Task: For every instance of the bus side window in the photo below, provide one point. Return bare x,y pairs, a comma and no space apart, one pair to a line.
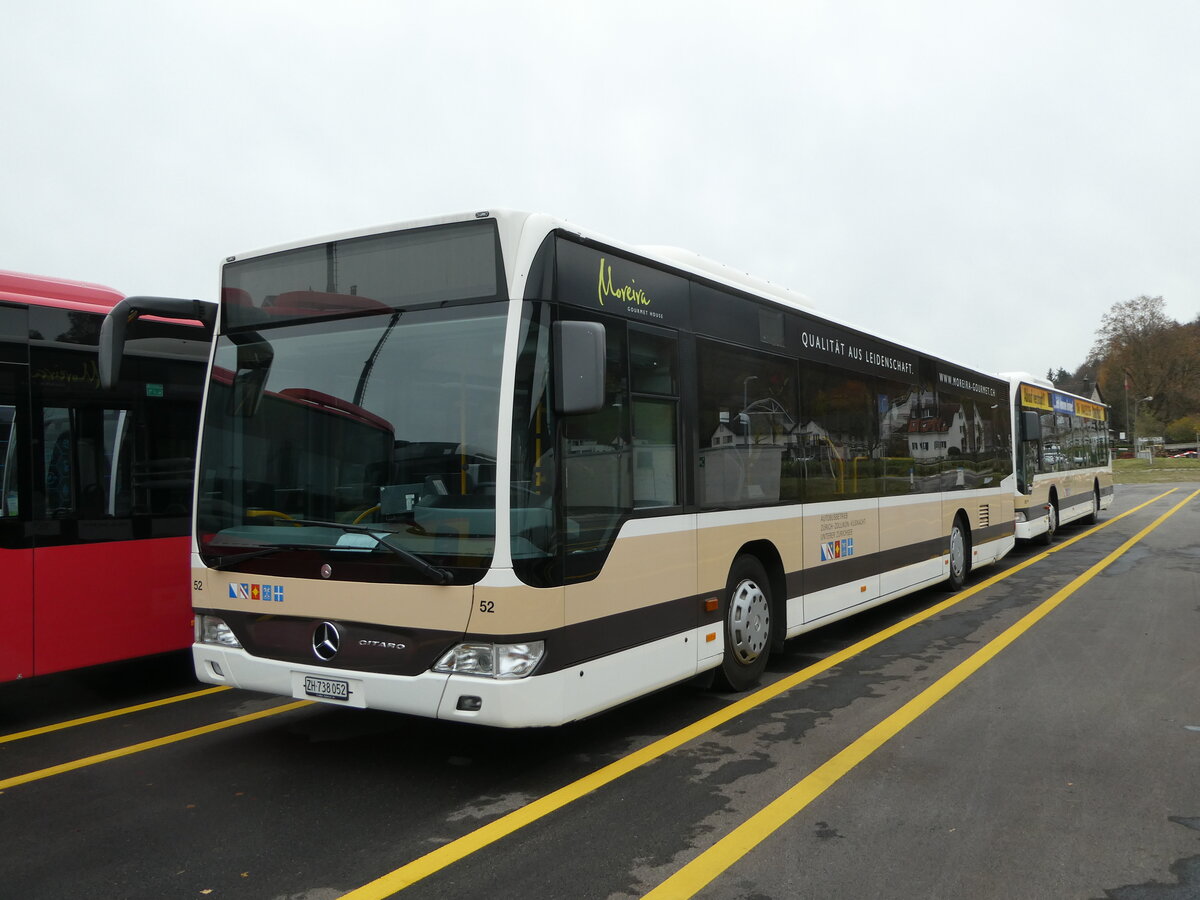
653,381
8,461
596,453
56,433
655,453
838,440
749,432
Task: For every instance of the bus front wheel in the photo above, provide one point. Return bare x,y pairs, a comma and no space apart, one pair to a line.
960,555
748,625
1051,522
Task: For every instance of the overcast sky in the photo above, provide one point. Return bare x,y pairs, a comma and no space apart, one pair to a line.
981,179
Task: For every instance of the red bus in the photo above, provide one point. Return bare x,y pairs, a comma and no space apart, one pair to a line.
95,485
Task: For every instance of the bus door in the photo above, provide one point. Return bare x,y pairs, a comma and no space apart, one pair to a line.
629,564
103,555
16,551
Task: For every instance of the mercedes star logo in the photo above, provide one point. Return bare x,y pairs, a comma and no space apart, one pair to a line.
325,641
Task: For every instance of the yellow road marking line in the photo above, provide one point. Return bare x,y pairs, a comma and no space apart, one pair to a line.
86,761
99,717
698,873
452,852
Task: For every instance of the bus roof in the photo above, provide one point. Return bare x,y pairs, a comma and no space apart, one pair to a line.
38,290
518,227
1018,377
513,222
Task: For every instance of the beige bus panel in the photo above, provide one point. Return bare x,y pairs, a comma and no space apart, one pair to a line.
906,523
1068,484
641,570
722,535
441,608
516,609
981,511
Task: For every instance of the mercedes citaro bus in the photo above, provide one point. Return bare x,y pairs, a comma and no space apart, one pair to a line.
494,468
1063,458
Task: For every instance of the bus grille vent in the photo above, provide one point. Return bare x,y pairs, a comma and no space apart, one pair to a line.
985,515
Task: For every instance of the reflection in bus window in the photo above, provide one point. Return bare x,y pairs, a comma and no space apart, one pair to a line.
749,436
839,439
403,441
597,492
8,461
654,452
56,447
653,366
534,467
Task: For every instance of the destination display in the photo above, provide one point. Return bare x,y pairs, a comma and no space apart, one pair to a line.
1063,404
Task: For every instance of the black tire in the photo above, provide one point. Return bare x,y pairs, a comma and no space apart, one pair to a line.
960,555
749,625
1047,536
1094,516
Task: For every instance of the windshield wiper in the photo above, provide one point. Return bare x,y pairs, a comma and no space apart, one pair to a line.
436,574
224,562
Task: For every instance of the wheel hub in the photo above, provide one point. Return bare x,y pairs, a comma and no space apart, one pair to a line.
749,622
958,552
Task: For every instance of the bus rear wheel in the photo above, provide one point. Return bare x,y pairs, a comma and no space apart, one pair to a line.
748,625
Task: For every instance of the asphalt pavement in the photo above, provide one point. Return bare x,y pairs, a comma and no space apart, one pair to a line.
1035,736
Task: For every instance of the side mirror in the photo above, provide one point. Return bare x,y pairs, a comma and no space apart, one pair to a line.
578,367
120,325
1031,425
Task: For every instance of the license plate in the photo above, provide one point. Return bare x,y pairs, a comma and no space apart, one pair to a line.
326,688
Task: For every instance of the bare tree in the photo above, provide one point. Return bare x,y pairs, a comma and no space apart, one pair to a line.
1140,351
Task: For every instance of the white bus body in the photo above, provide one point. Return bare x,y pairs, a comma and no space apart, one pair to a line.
1062,457
492,468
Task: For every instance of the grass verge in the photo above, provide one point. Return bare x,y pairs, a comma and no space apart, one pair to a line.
1158,471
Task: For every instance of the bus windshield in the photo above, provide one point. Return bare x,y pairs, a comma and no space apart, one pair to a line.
366,443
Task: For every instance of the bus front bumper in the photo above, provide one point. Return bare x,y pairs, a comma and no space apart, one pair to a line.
526,702
1027,529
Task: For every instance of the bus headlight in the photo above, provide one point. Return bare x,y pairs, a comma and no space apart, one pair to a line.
212,630
492,660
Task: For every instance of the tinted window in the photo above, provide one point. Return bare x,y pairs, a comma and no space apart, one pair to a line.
115,463
903,407
13,448
978,436
111,465
750,442
534,546
445,263
1071,442
597,476
386,421
839,446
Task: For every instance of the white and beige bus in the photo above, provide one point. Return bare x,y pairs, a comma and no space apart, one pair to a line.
492,468
1063,459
